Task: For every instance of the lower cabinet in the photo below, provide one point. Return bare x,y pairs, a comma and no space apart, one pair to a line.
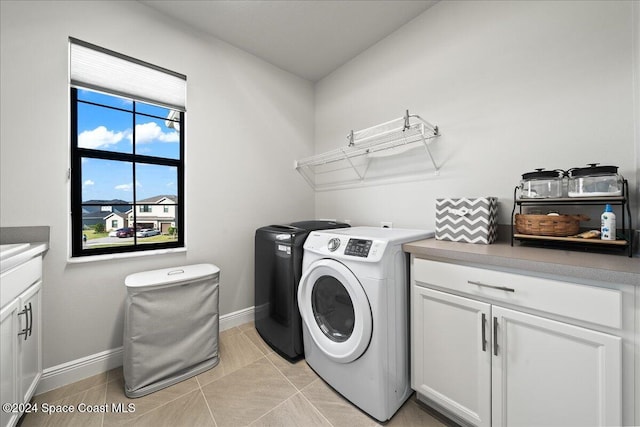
9,360
30,342
548,372
488,365
21,347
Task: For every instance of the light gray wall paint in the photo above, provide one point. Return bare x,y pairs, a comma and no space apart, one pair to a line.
246,123
514,86
636,111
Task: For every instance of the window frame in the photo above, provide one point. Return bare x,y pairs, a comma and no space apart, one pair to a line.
75,175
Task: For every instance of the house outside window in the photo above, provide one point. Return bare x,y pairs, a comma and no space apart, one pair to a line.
126,157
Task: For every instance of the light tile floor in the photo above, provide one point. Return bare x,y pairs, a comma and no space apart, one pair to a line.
251,386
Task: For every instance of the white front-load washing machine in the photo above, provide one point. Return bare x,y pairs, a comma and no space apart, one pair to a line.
353,303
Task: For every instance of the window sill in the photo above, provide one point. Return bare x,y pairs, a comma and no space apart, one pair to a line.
95,258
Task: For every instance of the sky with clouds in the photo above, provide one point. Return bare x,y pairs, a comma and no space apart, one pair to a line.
113,130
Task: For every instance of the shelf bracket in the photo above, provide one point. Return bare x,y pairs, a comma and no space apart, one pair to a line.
426,147
355,169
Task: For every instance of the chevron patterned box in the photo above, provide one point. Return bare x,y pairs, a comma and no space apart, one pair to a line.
467,220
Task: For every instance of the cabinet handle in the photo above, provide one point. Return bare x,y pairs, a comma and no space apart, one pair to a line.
484,333
30,320
25,331
495,336
501,288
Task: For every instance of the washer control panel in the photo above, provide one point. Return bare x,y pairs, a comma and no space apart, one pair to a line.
358,247
343,247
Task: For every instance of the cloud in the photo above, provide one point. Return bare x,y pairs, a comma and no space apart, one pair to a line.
151,132
101,137
124,187
88,183
127,187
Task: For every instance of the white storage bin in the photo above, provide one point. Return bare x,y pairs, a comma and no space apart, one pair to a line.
171,326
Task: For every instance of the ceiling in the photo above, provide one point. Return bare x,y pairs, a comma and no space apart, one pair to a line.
309,38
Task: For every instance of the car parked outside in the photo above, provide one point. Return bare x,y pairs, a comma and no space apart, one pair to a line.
125,232
147,232
114,233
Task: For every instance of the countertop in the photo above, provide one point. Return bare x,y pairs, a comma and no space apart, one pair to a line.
19,244
16,254
605,268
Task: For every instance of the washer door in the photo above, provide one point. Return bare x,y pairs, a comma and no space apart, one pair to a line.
335,309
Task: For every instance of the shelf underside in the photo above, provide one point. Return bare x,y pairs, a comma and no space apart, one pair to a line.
572,240
409,138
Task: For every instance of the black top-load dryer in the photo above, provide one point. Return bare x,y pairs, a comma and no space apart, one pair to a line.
278,267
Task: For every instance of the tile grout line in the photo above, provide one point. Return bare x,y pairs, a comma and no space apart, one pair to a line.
311,403
106,389
274,408
206,402
299,391
253,344
164,404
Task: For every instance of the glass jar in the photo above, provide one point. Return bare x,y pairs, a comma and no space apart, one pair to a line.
595,181
542,184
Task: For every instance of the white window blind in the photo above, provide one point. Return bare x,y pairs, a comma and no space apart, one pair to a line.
93,67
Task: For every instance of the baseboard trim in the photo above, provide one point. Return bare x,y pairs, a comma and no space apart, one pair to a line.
237,318
85,367
79,369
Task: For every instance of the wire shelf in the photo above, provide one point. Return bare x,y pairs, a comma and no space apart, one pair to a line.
385,139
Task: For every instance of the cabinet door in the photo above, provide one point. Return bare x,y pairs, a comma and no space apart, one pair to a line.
451,353
9,360
30,349
546,372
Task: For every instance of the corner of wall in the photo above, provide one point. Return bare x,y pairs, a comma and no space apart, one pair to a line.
636,99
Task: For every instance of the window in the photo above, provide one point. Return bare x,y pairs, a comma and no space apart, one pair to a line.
127,154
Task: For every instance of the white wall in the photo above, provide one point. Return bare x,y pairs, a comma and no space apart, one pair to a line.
246,123
513,86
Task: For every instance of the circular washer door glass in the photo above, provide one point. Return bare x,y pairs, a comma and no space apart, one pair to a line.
332,308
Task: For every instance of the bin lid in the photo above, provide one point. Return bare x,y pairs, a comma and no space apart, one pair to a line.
170,276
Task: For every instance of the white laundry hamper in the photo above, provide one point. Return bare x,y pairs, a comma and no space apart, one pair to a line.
171,326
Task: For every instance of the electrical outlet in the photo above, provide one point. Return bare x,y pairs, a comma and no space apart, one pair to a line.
386,224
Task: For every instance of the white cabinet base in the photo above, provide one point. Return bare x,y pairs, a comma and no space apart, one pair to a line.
484,356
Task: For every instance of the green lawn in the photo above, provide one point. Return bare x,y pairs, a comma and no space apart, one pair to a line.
93,235
156,239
